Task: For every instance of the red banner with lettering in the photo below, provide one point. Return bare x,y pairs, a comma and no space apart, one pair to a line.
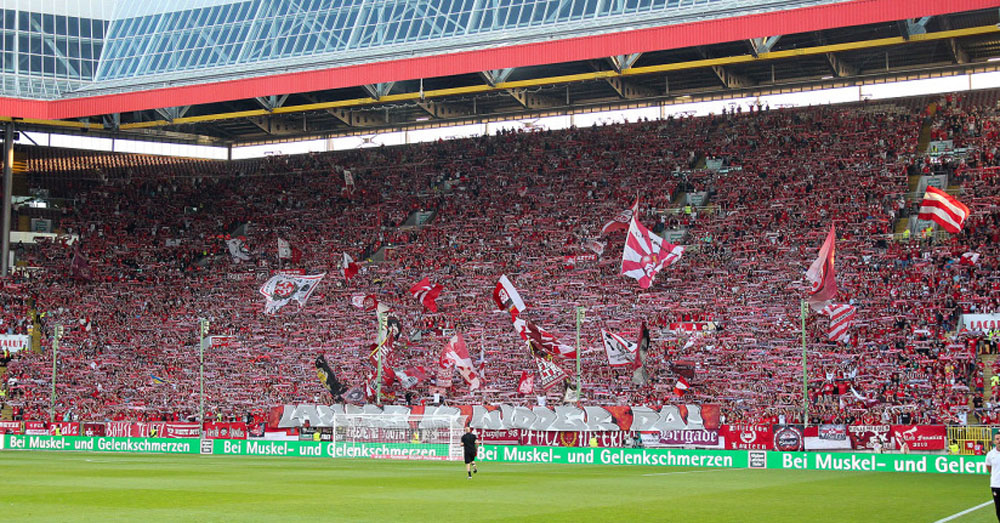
35,428
11,427
748,437
499,436
226,430
864,437
563,438
921,437
65,428
93,429
179,430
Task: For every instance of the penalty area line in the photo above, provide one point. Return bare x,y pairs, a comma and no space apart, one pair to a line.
964,512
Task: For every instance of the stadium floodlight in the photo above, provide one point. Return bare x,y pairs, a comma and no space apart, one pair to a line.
398,436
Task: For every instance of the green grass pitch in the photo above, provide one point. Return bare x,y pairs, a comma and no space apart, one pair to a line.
40,486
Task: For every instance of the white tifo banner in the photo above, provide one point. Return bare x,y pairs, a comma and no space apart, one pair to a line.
981,322
14,342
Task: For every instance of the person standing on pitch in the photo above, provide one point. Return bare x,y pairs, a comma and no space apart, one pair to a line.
469,444
993,466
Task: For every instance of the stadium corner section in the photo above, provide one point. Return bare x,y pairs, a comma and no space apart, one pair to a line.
752,459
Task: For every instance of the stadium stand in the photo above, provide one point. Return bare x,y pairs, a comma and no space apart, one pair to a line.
153,231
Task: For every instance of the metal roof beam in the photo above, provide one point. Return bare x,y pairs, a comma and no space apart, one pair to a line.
270,103
959,55
629,90
496,76
729,79
444,110
357,118
566,79
913,26
840,67
531,100
112,121
624,62
759,46
379,90
172,113
273,126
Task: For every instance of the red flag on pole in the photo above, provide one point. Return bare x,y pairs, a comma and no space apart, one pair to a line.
425,292
822,276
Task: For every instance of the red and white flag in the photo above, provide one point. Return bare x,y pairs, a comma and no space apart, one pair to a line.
841,319
943,209
822,276
681,387
506,296
549,374
411,377
456,355
594,246
349,267
425,292
287,251
622,220
621,352
541,340
526,385
359,301
969,258
646,253
282,288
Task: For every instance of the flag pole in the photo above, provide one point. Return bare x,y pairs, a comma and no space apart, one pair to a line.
378,357
580,311
55,351
202,331
804,310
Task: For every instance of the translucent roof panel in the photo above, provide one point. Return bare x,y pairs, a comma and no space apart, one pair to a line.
171,40
47,50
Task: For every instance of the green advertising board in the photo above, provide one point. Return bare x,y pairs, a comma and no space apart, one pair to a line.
753,459
326,449
102,444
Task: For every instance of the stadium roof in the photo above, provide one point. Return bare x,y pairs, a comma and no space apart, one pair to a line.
226,72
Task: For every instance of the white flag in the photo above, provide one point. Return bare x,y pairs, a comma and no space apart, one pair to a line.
238,250
620,351
282,288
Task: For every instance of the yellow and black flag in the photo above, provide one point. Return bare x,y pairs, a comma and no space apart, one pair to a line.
328,378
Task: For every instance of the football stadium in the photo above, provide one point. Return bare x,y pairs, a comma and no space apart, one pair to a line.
485,260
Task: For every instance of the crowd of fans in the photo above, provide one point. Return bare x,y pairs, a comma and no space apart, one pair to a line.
519,203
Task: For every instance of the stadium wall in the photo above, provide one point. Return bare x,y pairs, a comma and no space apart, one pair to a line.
752,459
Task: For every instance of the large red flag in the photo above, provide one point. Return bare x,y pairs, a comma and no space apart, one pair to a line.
821,274
506,297
621,221
349,267
456,355
526,385
426,292
541,340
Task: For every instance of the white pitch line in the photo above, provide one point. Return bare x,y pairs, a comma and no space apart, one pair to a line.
685,472
964,512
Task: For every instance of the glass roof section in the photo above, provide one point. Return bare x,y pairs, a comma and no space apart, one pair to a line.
141,44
